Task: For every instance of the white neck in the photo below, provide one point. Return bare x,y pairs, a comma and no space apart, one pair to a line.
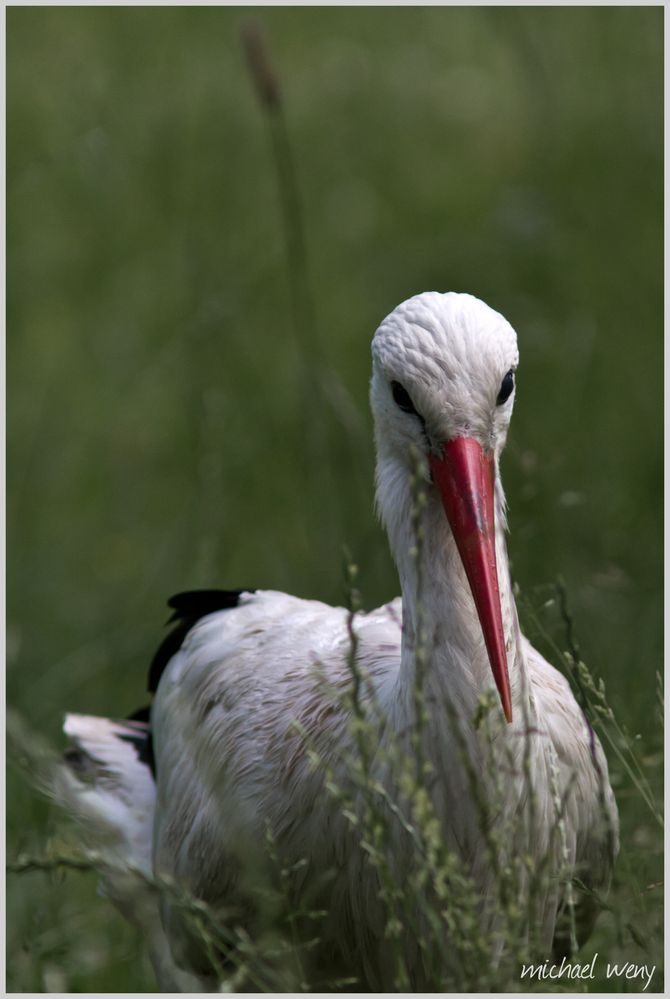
441,616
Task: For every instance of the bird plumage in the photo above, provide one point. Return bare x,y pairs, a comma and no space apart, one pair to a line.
252,688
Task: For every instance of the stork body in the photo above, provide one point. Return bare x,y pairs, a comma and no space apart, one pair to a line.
258,690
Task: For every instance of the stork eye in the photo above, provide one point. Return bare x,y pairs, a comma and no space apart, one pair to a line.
401,397
506,388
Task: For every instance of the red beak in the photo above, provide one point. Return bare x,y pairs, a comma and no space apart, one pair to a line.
464,476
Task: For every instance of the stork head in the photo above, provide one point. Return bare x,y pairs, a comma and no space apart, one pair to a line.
443,387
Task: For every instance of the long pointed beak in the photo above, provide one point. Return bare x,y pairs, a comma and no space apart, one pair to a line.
464,476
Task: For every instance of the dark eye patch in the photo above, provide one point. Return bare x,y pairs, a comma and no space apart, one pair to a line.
402,398
506,388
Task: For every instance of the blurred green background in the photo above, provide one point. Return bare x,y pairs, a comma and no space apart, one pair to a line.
169,427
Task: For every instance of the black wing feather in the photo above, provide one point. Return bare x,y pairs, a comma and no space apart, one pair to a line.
197,603
188,608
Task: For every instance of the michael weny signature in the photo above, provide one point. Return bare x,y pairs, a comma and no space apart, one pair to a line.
568,969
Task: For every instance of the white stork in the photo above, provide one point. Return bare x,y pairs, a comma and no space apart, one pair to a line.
251,685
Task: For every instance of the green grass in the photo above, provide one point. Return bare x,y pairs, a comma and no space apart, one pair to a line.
161,434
